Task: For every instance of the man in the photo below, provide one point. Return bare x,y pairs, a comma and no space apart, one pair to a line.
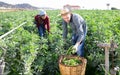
42,22
79,29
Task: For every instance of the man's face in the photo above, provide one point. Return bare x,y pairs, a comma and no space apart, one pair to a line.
43,16
66,17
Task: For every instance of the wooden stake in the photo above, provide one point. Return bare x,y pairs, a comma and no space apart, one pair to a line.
106,46
2,36
106,60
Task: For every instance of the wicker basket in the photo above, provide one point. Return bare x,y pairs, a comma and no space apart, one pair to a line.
72,70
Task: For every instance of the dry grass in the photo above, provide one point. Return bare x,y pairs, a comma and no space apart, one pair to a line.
10,10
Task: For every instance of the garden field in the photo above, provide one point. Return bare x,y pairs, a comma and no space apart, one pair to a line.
25,53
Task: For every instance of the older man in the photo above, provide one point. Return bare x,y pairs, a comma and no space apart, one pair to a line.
79,29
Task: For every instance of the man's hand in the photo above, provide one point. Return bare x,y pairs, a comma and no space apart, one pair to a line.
75,46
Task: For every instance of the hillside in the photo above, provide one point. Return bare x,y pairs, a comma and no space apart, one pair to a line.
18,6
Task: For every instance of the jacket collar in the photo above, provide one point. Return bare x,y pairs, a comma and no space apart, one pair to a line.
71,17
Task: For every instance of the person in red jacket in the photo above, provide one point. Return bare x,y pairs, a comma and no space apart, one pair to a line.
42,22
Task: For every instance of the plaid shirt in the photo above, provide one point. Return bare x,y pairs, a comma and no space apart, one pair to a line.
78,26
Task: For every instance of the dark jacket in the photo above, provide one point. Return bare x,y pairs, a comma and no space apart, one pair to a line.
39,21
